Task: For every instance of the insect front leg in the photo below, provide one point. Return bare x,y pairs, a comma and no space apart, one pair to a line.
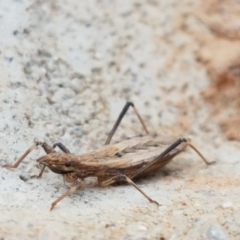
61,146
76,185
120,117
48,149
124,178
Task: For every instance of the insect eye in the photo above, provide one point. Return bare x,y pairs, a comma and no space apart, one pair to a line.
118,154
68,163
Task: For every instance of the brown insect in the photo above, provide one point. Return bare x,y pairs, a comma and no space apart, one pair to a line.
120,162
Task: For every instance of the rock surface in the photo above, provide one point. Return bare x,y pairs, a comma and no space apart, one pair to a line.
67,69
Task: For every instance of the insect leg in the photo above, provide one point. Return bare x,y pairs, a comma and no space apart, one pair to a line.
124,178
61,146
120,117
198,152
74,188
40,174
45,146
167,151
160,156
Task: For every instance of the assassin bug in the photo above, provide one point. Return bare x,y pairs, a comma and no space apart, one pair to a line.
112,163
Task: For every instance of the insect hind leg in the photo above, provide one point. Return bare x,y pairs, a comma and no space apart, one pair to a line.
124,178
188,141
167,151
120,117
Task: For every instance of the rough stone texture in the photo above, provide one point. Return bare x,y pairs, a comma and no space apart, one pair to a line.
67,68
